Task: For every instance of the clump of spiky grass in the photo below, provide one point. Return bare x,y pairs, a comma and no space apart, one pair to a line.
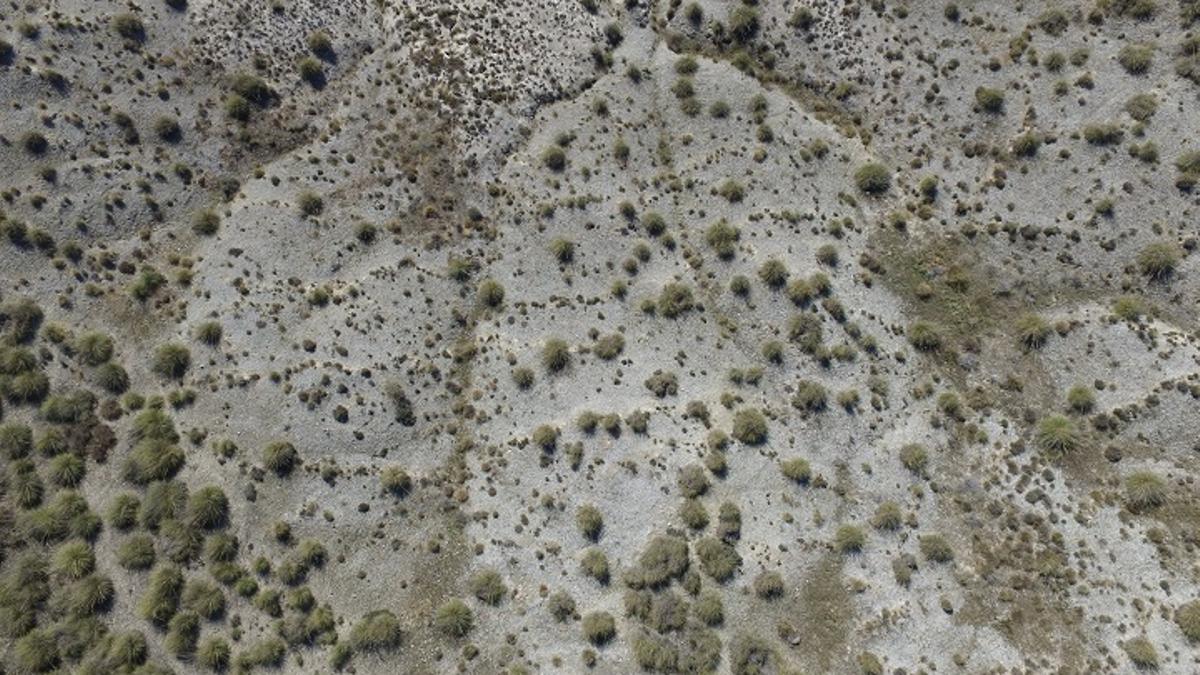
590,521
925,336
488,586
796,469
153,459
266,652
1187,617
599,627
454,618
1057,435
204,598
74,560
94,348
718,559
280,457
849,539
1141,652
1032,331
873,178
208,507
750,426
1159,260
37,652
556,355
935,548
1145,490
172,360
161,598
377,631
213,654
395,481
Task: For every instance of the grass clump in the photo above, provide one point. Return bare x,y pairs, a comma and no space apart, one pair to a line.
663,559
490,293
915,458
213,654
377,631
1187,617
674,300
1057,435
849,539
204,598
718,559
935,548
599,628
925,336
172,360
989,100
590,522
161,598
266,652
208,507
1145,490
36,652
488,587
722,238
153,459
1080,399
555,159
395,481
595,564
873,178
750,426
1032,331
768,585
796,469
454,618
136,552
1136,59
1141,652
556,355
1158,260
280,458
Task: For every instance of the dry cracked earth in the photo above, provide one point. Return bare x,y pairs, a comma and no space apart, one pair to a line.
612,336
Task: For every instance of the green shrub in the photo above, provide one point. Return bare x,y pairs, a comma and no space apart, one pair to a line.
1081,399
395,481
208,507
1187,617
123,511
750,426
732,191
935,548
717,559
160,601
873,178
722,238
152,460
36,652
849,539
377,631
925,336
490,293
556,355
796,469
810,397
94,348
183,631
1032,331
1103,134
1141,652
989,100
1057,435
204,598
750,655
67,470
210,333
599,628
136,552
595,565
129,26
674,300
213,654
693,514
590,522
554,158
454,618
1159,260
743,23
280,457
172,360
914,457
561,606
888,516
663,559
265,652
112,378
708,608
16,440
1145,490
488,586
1136,59
310,204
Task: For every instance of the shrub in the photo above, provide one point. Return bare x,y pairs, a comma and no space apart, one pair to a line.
16,440
708,608
561,605
599,627
395,481
136,552
183,630
849,539
311,71
663,559
280,457
554,158
153,459
693,514
749,426
935,548
1159,260
310,204
610,346
1057,435
123,511
112,378
67,470
266,652
989,100
204,598
94,348
914,457
590,522
722,238
768,585
674,299
743,23
810,397
1141,652
74,560
873,178
36,652
490,293
1027,144
1136,59
213,654
887,516
717,559
773,273
1187,617
796,469
545,437
1081,399
1103,134
208,507
377,631
732,191
925,336
172,360
556,355
692,481
488,587
209,333
454,618
1032,331
595,565
1145,490
129,26
161,599
750,655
